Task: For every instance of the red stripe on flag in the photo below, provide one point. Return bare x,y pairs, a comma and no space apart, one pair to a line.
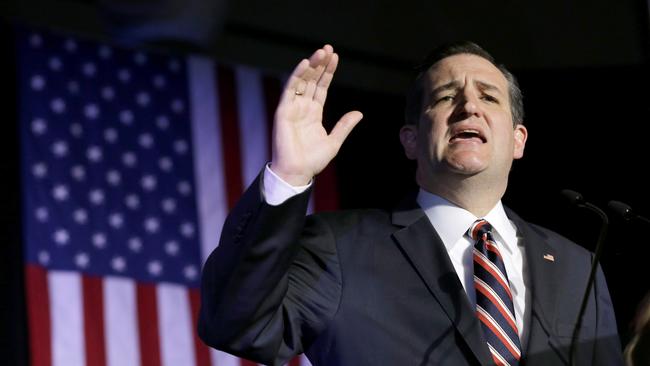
230,134
272,91
230,143
326,194
148,325
201,351
295,361
38,313
93,308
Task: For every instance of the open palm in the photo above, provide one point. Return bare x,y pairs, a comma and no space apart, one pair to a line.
302,147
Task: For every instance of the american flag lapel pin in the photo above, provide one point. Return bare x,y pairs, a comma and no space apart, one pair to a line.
549,257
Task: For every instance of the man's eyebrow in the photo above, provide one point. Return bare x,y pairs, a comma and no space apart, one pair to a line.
449,86
483,86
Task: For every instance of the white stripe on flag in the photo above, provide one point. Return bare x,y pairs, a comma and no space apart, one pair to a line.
66,310
121,322
208,157
310,206
252,122
304,361
175,325
223,359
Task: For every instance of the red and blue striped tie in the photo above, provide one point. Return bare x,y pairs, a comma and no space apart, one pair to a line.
494,306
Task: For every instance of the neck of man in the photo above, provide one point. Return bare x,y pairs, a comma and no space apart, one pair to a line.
473,193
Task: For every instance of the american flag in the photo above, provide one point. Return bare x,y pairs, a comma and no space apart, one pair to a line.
131,160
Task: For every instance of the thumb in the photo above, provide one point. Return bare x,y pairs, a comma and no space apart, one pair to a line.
344,126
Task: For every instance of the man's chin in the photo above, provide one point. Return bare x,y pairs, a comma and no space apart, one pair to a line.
468,167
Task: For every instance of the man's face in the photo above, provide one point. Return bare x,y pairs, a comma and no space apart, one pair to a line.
465,125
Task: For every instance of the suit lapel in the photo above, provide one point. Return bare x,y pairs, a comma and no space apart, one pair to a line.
544,272
422,246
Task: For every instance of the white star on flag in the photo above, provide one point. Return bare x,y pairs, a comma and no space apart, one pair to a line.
125,187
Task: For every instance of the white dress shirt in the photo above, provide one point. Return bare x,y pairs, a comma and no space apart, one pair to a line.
275,190
451,223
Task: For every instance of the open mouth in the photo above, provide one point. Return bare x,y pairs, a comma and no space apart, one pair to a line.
467,135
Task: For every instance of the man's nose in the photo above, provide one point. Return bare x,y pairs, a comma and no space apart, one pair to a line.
468,106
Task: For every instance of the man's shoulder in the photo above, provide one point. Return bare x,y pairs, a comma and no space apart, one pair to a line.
536,232
557,240
355,223
353,216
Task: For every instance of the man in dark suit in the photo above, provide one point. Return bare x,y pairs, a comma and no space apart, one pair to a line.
449,277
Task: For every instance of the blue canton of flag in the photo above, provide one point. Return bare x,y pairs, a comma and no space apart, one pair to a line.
107,161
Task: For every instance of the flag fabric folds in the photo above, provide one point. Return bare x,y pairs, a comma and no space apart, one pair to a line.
130,162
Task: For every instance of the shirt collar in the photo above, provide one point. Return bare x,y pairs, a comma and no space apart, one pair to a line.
451,222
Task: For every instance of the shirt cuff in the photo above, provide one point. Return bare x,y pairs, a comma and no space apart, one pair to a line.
276,190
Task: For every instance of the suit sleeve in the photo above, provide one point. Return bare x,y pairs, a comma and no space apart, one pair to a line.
272,284
607,350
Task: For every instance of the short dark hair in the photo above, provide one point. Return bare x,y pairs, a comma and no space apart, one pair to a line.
415,94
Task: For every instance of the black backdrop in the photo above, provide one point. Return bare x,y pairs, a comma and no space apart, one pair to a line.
589,130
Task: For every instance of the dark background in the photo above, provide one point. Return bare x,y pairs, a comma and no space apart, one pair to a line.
582,65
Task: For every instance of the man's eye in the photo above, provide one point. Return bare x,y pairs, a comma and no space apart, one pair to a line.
445,98
489,98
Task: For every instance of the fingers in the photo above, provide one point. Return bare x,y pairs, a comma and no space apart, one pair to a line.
344,126
326,79
292,83
305,77
318,63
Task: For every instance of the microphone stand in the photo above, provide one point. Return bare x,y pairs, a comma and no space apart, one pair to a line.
578,200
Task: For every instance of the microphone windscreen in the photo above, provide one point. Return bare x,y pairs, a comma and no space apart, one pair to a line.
621,208
573,196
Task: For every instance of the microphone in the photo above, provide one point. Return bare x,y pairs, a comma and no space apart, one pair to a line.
625,211
573,196
578,200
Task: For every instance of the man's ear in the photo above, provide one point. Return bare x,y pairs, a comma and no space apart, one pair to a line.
408,136
521,135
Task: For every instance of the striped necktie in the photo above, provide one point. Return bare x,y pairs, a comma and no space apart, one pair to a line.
494,305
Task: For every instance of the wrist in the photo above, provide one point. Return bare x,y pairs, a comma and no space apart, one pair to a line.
292,178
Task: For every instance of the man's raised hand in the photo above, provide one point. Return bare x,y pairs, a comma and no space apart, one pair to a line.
302,147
